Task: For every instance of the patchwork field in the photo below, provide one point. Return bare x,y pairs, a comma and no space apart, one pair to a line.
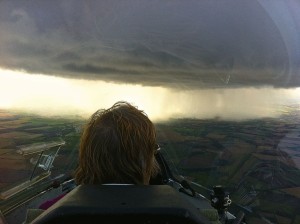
257,160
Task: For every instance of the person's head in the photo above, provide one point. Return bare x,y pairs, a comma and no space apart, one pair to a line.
118,145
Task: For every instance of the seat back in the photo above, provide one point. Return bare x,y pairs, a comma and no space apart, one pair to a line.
122,203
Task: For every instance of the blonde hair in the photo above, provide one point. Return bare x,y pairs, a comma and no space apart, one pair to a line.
117,146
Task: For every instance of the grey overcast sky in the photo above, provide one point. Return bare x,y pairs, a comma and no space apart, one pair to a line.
200,59
169,43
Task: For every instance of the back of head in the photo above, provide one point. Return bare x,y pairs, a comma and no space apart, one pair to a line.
117,146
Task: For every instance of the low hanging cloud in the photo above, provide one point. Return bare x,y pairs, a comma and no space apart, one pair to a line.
199,44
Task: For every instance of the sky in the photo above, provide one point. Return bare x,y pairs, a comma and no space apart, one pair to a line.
231,59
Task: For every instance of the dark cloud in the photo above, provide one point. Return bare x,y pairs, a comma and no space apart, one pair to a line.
158,43
95,69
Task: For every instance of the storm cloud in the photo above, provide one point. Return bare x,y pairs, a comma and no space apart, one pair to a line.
186,44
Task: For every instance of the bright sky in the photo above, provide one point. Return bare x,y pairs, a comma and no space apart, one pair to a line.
50,95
